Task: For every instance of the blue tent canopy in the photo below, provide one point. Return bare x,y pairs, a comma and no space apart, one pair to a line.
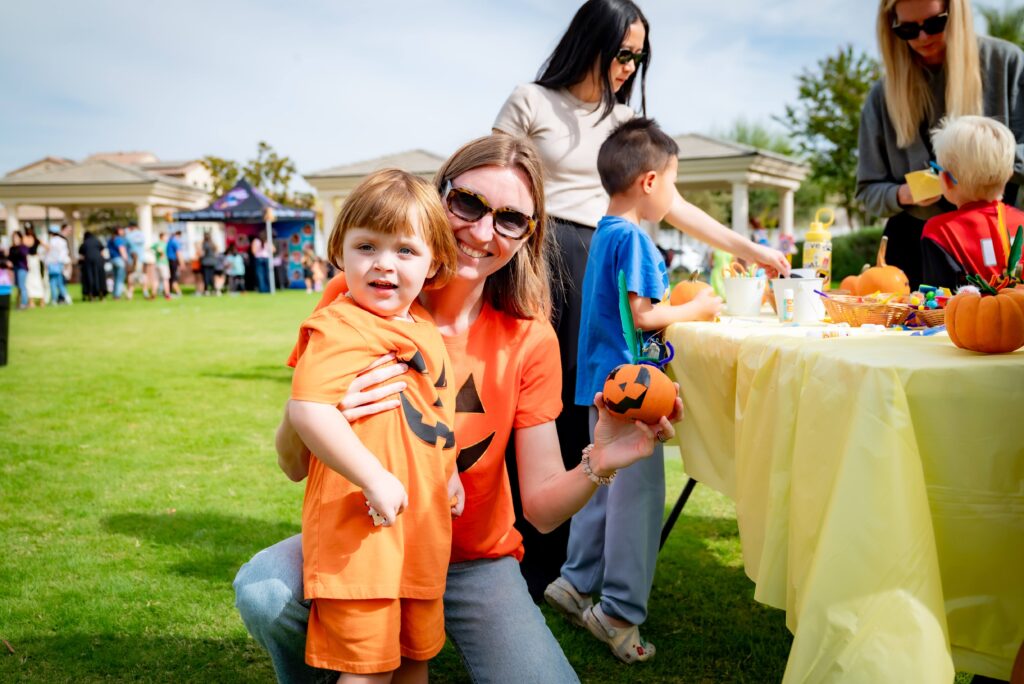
244,204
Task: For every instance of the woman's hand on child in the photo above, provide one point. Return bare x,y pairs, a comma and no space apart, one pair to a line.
386,495
456,494
366,396
619,442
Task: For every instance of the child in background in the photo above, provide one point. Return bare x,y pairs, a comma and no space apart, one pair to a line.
976,155
613,540
236,270
377,590
162,263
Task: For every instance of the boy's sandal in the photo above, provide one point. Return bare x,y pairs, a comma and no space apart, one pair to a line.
625,642
564,598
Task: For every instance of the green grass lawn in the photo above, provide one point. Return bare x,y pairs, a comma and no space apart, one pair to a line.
137,473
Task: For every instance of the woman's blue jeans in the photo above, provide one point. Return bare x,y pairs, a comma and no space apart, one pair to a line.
489,617
117,263
21,277
58,290
263,274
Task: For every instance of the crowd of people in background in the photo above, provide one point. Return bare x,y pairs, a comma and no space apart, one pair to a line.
118,264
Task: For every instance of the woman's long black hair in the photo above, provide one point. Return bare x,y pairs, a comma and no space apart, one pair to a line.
595,34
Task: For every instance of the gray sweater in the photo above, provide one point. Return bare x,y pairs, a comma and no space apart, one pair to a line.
883,163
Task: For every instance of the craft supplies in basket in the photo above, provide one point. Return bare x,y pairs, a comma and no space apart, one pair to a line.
929,317
857,311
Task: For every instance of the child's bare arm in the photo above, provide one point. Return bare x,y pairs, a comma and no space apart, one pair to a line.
326,432
648,316
292,454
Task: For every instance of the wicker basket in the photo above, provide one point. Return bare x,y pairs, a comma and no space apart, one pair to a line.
930,317
847,309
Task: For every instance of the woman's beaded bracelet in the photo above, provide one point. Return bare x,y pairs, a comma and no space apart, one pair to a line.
591,475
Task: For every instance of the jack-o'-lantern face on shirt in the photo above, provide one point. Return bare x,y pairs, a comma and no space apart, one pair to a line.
483,251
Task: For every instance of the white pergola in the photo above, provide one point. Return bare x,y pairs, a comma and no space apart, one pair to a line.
704,164
707,163
97,183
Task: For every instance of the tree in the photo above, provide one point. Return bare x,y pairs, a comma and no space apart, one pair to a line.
1007,24
225,173
268,172
271,173
826,120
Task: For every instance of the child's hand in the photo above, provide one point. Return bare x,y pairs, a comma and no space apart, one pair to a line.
386,496
706,305
456,494
774,262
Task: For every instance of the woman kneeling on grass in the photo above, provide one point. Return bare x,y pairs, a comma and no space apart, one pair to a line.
493,316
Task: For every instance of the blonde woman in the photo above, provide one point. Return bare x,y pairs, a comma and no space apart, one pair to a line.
935,66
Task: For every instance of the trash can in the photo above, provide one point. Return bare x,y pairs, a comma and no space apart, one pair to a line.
5,320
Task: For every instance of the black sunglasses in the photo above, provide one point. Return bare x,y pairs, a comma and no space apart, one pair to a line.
625,55
469,206
909,30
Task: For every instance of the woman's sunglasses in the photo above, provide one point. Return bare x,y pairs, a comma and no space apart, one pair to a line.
625,56
469,206
909,30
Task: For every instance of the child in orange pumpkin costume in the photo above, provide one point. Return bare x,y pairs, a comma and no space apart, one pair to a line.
376,588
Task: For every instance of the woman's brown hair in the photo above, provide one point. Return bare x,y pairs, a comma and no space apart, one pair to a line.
520,288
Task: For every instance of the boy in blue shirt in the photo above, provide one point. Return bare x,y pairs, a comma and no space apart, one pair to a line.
613,540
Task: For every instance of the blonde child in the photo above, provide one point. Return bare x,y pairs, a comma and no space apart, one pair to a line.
975,156
376,589
613,540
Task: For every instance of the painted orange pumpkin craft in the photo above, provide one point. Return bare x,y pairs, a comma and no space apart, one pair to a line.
639,392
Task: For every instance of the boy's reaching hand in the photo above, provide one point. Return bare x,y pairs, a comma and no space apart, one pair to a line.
706,305
386,496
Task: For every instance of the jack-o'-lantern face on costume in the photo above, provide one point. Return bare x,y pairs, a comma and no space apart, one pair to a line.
639,392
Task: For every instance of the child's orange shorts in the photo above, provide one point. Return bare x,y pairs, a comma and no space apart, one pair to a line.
373,635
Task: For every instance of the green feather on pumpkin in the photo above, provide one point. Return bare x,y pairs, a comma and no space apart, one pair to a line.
1015,250
633,337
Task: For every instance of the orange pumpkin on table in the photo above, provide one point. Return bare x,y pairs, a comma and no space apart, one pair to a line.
639,392
686,290
982,322
878,278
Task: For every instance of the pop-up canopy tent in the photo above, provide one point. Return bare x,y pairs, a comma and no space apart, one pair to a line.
245,204
244,208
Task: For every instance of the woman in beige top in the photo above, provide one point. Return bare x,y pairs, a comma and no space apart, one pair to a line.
580,96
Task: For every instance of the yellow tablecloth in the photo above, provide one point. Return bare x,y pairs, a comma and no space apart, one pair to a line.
879,488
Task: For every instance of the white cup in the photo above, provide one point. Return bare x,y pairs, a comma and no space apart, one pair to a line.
803,272
743,296
807,305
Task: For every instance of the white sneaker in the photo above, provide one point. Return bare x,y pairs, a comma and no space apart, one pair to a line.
564,598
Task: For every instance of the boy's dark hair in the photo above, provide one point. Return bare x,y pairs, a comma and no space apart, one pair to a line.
634,148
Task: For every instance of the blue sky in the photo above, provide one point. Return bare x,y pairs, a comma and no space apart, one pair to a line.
333,82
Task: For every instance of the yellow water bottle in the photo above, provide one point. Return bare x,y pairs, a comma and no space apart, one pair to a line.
818,246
